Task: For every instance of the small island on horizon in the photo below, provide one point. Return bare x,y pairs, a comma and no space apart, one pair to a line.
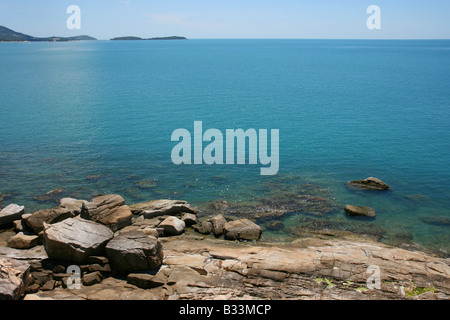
8,35
156,38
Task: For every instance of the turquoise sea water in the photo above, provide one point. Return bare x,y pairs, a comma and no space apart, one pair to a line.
97,117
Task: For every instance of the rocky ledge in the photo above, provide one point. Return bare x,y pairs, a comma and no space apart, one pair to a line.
158,250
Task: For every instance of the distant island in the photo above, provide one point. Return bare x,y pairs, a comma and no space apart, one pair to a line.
157,38
8,35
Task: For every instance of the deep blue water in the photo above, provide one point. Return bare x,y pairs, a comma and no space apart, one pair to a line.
346,109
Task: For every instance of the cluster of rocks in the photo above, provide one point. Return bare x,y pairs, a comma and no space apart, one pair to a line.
105,237
370,183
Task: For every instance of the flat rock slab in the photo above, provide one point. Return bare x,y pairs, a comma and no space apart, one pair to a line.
11,213
134,251
163,207
370,183
109,210
243,229
13,276
76,239
360,211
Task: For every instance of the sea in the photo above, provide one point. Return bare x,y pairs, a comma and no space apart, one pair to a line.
96,117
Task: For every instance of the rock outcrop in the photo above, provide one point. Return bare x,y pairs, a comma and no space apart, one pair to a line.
76,239
369,183
109,210
360,211
11,213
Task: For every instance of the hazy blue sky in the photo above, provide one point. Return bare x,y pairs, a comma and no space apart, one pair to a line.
343,19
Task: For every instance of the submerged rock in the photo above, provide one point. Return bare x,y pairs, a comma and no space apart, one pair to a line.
75,239
1,201
109,210
172,226
243,229
369,183
146,184
360,211
11,213
51,195
437,221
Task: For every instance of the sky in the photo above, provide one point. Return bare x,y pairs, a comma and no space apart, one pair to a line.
217,19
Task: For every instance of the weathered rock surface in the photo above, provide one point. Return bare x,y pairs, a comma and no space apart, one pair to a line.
23,241
145,280
173,226
109,210
11,213
218,224
157,208
13,277
360,211
134,251
68,208
243,229
369,183
310,269
92,278
75,239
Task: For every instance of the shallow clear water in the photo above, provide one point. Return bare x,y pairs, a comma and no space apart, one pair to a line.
97,117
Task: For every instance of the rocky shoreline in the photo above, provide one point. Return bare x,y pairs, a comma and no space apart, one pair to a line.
104,249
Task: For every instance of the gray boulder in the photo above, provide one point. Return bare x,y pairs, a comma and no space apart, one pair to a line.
243,229
109,210
370,183
134,251
157,208
173,226
13,278
360,211
68,208
75,239
11,213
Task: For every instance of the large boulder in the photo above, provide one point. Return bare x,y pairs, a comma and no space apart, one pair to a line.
11,213
109,210
243,229
68,208
13,278
173,226
76,239
157,208
134,251
205,227
360,211
369,183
